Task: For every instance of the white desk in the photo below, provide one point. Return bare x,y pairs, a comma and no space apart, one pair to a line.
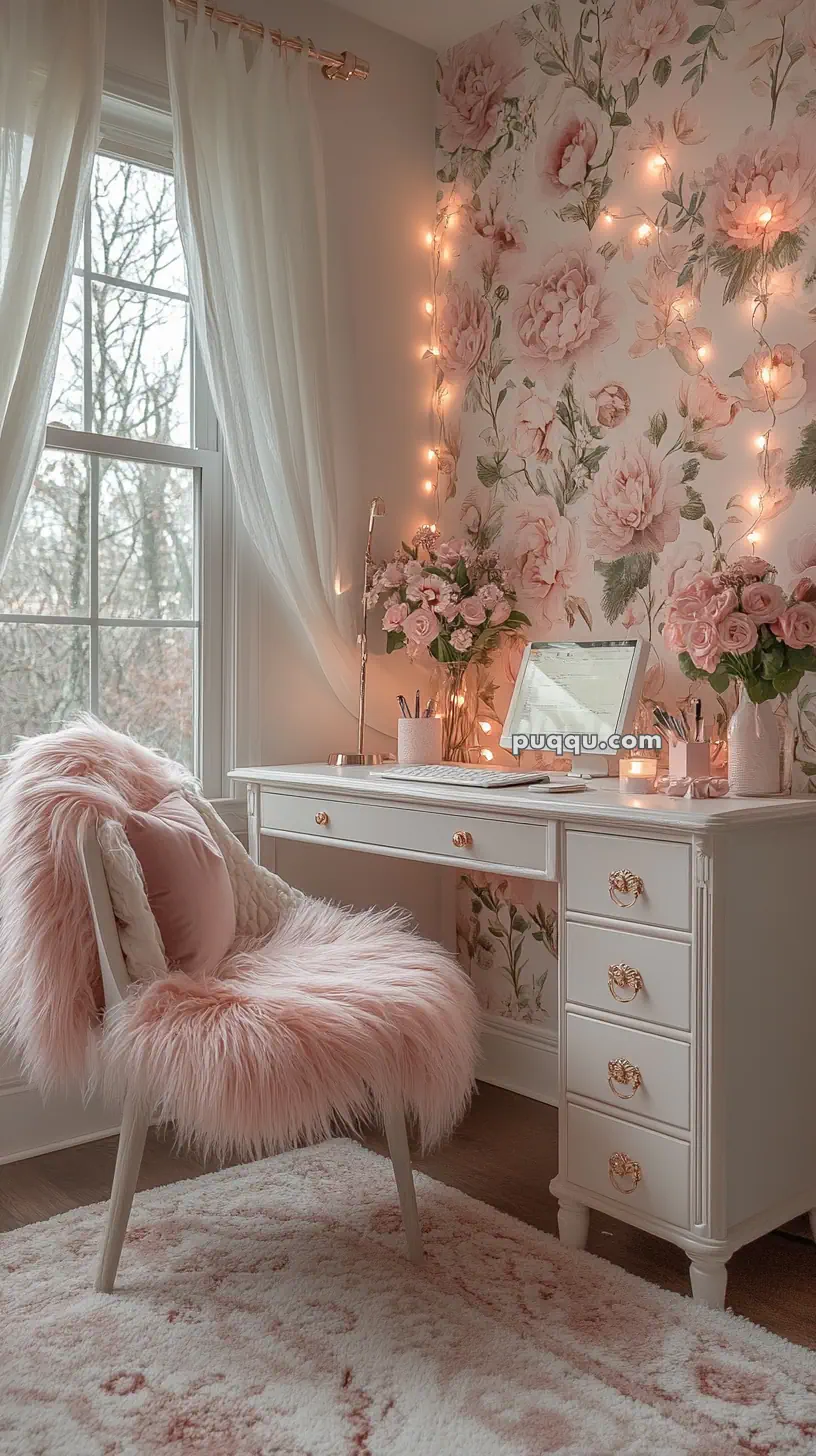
687,1005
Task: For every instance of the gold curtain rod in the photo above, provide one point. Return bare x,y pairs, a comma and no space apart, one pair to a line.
336,67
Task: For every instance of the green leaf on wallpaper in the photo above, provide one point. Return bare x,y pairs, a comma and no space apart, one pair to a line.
785,250
691,469
658,424
622,579
489,469
701,33
608,251
661,70
695,505
619,118
801,472
631,92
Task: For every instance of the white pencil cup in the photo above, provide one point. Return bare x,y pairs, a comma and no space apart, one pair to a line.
689,760
419,740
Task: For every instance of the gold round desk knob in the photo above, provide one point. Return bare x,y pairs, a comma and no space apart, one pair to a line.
623,1074
322,817
462,840
624,1171
625,882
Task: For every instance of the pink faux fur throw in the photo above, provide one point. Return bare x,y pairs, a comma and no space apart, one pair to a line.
328,1020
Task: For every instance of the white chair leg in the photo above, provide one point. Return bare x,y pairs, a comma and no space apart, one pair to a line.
135,1123
397,1136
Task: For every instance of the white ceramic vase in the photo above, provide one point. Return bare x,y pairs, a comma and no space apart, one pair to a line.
753,750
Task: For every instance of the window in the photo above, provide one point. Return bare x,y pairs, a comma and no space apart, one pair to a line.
111,597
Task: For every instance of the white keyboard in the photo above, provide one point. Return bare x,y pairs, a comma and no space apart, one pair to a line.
460,776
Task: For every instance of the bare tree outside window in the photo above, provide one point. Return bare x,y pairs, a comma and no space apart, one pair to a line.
99,601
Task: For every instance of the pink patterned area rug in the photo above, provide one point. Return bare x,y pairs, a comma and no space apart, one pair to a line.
269,1310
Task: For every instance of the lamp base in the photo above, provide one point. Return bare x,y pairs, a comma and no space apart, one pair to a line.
353,760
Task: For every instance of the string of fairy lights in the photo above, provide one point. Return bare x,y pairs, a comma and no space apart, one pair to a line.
440,454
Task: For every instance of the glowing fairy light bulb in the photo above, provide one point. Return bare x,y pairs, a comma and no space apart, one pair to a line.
644,231
753,537
760,442
756,502
428,306
427,486
608,218
765,375
703,352
431,453
429,237
459,700
657,162
764,216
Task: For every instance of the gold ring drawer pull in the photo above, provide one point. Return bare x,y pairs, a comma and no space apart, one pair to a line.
625,882
322,817
462,840
624,1169
622,977
623,1074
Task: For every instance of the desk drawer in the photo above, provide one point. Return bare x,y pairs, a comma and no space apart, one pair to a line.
655,974
664,867
503,843
658,1082
663,1164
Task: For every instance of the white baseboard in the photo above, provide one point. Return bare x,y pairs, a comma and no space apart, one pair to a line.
521,1057
29,1126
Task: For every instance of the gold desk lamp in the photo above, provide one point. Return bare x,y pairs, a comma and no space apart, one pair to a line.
339,760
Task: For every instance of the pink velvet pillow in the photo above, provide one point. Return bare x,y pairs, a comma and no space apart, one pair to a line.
188,885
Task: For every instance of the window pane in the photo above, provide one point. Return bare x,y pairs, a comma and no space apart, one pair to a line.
47,570
134,232
67,396
146,540
140,365
43,678
146,686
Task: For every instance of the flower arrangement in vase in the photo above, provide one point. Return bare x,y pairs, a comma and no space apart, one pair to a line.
737,624
451,603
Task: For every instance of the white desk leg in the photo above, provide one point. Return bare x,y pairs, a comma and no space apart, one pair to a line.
709,1278
573,1223
254,822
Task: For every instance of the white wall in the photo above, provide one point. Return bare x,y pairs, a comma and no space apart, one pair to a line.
377,141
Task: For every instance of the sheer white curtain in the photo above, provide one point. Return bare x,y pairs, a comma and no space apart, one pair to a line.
250,198
52,56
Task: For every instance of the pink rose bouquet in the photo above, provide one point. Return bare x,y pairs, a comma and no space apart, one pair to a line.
738,623
448,598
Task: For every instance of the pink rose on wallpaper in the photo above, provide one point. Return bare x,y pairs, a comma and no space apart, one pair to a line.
797,626
802,551
737,633
774,495
472,87
577,139
464,329
421,627
634,614
703,645
681,563
763,601
547,550
612,405
536,429
705,409
496,235
642,30
563,314
774,377
764,187
635,503
667,327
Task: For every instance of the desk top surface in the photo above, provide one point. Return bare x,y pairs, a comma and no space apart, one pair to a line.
605,802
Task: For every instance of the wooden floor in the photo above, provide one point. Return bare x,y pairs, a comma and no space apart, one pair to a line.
504,1154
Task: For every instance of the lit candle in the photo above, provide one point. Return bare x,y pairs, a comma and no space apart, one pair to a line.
637,775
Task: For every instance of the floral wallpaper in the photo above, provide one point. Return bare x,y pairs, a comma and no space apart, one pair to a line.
625,332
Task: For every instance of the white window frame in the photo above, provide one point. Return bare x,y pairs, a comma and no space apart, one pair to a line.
133,132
